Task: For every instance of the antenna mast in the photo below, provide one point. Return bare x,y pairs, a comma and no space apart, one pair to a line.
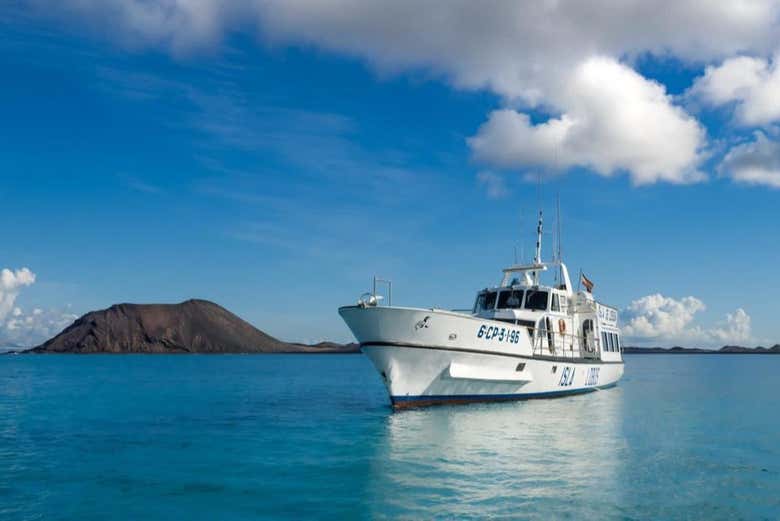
538,257
558,219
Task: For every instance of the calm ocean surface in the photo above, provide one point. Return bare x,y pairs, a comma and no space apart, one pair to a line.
312,437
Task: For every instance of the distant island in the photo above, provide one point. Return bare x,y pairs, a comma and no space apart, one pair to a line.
725,350
193,326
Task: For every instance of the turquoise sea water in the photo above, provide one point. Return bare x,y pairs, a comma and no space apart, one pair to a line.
312,437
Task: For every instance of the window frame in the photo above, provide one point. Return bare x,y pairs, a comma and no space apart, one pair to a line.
512,293
588,326
495,300
534,292
479,302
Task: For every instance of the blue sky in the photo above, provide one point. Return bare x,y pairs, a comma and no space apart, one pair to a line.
274,170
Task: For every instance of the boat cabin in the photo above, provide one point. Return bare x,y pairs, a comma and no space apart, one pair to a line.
559,322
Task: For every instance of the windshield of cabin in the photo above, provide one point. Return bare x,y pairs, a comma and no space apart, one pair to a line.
536,300
479,305
510,299
490,300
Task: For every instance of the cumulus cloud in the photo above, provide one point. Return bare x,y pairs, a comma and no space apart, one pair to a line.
659,318
570,59
505,47
33,328
752,84
11,283
736,329
18,327
180,26
614,120
756,162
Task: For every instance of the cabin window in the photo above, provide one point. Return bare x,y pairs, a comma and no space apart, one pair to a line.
555,306
479,305
510,299
604,346
536,300
617,343
610,336
490,300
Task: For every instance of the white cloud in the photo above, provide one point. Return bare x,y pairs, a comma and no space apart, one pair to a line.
570,59
179,26
736,329
494,184
33,328
11,282
614,120
18,327
657,318
756,162
753,84
501,47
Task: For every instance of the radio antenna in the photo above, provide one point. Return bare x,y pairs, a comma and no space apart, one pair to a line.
538,257
558,219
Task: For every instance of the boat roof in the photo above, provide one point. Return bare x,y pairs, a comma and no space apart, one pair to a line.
530,275
542,266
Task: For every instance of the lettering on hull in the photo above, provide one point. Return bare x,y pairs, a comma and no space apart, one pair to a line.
567,376
502,334
592,377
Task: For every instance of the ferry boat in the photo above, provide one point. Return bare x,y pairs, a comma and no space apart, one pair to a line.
521,340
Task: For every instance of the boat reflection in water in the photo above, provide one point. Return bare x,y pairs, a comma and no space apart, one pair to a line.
512,460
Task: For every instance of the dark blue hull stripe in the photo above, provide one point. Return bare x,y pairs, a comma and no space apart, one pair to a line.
493,397
562,359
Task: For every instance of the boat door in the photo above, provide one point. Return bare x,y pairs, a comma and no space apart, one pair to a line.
588,339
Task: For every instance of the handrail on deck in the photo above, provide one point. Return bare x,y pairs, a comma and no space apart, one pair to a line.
537,346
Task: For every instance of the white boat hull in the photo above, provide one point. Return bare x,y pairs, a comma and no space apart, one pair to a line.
417,376
446,361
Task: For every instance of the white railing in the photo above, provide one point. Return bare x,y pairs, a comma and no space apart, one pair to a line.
550,343
389,284
373,298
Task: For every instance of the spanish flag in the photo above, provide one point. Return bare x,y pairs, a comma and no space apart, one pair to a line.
586,282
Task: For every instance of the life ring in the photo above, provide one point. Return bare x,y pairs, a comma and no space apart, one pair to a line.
562,326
